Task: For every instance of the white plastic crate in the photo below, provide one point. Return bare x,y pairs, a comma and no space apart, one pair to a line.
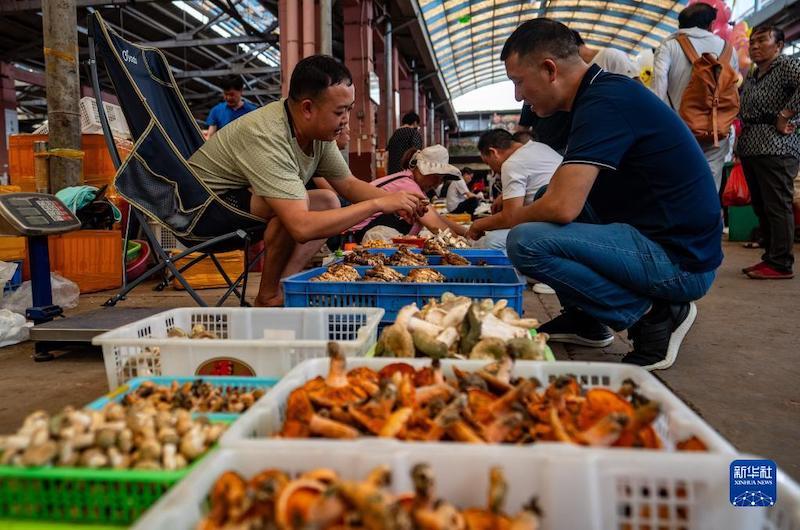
785,515
576,490
90,119
268,341
676,422
165,238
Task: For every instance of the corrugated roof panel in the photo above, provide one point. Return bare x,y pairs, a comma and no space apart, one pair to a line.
468,35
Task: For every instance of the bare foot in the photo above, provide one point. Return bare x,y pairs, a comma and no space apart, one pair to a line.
272,301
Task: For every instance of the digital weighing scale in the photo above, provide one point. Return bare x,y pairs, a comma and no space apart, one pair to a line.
37,216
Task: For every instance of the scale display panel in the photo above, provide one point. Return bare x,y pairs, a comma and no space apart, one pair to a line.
33,214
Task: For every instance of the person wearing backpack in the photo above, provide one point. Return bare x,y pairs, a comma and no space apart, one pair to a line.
769,148
681,79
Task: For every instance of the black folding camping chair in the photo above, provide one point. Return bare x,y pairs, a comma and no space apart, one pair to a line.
156,179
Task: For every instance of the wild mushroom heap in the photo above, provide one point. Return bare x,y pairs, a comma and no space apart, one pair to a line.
460,328
490,405
321,499
340,272
118,437
194,396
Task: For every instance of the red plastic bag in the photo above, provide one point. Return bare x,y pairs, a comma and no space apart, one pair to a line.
736,191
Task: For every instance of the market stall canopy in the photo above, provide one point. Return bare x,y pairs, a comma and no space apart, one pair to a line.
468,35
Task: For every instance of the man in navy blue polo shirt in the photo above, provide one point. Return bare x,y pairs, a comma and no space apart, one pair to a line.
628,232
233,107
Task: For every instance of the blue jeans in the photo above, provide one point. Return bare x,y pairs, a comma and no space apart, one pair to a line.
611,272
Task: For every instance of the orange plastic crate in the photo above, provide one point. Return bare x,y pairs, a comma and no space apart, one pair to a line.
97,167
90,258
459,217
13,248
204,275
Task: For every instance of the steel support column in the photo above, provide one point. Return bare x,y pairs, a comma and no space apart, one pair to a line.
359,58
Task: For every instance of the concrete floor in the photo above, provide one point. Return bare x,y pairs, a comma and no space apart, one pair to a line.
738,367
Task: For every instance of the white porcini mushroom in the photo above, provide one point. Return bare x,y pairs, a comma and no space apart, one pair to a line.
15,442
456,315
67,456
193,443
125,441
448,337
509,316
435,316
183,421
180,461
499,306
93,458
168,435
83,440
116,459
106,438
41,454
150,449
416,324
405,314
168,457
147,465
98,418
525,323
213,432
494,327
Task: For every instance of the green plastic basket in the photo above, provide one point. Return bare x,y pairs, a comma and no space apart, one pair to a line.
80,495
20,524
134,248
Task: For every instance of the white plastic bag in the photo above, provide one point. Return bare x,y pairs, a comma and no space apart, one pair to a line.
7,271
65,294
380,233
13,328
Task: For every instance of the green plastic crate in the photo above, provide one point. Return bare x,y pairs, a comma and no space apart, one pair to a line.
80,495
17,524
742,221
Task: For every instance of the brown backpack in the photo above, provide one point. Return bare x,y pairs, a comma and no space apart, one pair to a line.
711,100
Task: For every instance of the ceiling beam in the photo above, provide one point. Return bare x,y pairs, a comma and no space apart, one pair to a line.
220,41
246,93
227,71
13,6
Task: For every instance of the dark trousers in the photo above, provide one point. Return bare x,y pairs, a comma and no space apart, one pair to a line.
771,183
467,206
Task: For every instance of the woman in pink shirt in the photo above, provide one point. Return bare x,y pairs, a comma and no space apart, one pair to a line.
424,171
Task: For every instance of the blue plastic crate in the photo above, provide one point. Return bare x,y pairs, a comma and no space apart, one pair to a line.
244,383
16,280
475,282
476,256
